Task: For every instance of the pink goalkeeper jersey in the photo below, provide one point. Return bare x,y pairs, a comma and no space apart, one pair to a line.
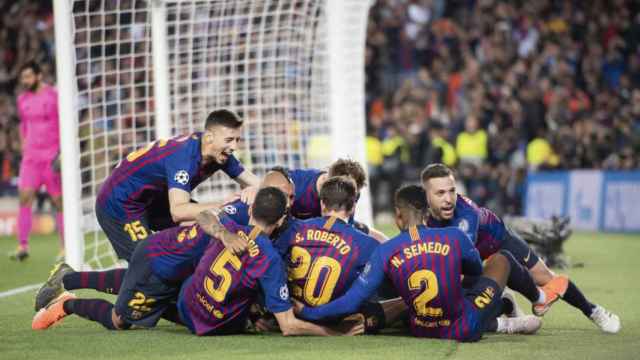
39,126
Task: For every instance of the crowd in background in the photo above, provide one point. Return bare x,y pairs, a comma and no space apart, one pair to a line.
499,88
492,88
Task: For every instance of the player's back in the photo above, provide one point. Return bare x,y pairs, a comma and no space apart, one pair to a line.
325,256
425,267
306,203
223,286
174,253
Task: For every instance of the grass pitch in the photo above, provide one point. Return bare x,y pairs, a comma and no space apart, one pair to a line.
609,277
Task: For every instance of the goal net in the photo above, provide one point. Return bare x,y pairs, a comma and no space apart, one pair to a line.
132,71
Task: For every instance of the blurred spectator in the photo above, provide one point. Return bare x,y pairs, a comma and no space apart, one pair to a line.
543,84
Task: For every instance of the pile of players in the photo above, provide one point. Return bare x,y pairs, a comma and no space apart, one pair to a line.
287,254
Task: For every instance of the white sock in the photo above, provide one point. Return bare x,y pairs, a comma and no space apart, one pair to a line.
541,297
502,324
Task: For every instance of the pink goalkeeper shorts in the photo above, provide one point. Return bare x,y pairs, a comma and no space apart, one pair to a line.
37,172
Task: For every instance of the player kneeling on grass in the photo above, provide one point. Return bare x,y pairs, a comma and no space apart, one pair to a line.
425,266
215,300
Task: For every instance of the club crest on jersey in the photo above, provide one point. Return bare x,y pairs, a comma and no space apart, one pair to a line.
230,209
182,177
284,292
463,225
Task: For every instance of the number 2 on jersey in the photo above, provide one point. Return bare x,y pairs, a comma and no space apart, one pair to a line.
420,303
303,268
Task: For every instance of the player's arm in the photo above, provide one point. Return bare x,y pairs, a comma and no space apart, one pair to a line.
247,179
378,235
471,261
292,326
362,289
181,207
210,223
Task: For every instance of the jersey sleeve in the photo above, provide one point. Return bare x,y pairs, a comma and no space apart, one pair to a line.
363,288
236,211
274,285
471,261
180,167
469,223
233,167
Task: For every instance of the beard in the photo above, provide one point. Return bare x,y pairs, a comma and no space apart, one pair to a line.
34,87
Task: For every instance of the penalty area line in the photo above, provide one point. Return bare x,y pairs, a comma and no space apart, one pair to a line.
19,290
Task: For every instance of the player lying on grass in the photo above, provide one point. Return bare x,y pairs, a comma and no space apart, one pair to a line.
150,188
216,299
425,266
181,253
489,235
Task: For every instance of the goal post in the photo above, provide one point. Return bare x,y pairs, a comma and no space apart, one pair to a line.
132,71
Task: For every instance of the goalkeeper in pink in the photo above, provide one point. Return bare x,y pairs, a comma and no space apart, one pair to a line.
38,112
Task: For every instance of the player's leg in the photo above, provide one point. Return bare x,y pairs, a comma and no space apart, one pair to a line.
28,183
63,278
53,182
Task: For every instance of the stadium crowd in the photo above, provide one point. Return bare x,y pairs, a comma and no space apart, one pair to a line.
493,88
500,88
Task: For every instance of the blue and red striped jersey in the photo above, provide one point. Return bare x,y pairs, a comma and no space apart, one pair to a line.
307,200
485,229
174,253
424,266
224,286
145,176
325,255
237,211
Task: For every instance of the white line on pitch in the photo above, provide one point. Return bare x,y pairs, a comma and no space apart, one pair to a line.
19,290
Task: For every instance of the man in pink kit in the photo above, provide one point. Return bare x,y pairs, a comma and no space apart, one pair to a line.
39,129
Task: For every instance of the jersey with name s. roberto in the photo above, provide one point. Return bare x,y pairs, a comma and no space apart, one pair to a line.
145,176
224,286
174,253
325,255
424,265
485,229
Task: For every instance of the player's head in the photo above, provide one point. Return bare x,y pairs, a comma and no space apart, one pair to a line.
338,194
221,136
278,177
350,168
269,208
440,186
30,76
410,206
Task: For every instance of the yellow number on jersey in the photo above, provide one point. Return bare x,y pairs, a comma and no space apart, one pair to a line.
430,281
303,268
218,269
136,230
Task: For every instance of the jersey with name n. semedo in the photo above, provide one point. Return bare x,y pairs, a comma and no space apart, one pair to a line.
306,204
174,253
424,266
224,286
485,229
145,176
325,256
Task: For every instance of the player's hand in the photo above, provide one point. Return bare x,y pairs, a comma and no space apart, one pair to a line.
235,243
266,325
248,194
351,325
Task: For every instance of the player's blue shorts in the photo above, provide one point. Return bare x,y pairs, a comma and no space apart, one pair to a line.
520,250
143,297
482,304
123,235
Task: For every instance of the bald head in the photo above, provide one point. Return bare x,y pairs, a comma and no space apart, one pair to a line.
280,180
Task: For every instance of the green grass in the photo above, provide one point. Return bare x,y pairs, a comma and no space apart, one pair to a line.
609,277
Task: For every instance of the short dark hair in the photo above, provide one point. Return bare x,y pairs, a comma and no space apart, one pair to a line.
351,168
339,193
34,66
411,197
224,117
283,171
269,205
436,170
